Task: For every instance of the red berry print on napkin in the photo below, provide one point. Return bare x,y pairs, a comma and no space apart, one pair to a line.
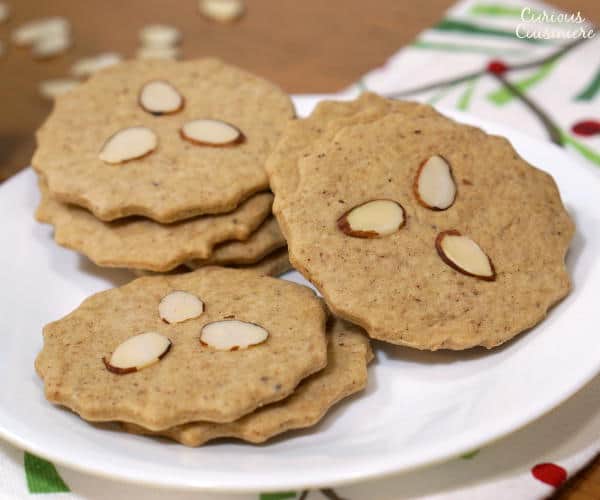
497,67
586,128
551,474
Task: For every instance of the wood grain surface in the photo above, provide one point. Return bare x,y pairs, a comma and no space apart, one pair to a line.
304,46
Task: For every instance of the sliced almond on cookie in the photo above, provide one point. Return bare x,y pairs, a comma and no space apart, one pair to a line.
232,334
372,219
179,306
463,254
434,185
223,11
128,144
206,132
138,352
159,97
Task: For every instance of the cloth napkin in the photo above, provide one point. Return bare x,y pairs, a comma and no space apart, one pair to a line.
473,60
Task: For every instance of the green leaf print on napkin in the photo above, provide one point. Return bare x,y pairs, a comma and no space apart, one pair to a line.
282,495
591,89
503,95
42,476
498,10
475,29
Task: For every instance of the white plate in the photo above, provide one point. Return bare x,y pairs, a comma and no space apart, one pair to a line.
419,407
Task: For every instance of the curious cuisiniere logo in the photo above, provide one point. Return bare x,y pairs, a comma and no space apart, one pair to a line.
543,25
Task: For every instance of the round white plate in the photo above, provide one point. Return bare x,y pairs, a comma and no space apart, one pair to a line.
419,407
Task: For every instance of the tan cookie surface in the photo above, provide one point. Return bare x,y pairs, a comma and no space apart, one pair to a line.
345,374
397,287
274,264
299,135
178,179
192,381
141,243
265,240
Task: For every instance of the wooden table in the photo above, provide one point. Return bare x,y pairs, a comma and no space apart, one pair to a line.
303,45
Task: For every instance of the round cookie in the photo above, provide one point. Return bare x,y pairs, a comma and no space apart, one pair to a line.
349,353
299,135
399,287
262,242
274,264
179,178
140,243
192,380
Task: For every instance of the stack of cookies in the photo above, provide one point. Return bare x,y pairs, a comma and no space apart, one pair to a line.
151,165
196,356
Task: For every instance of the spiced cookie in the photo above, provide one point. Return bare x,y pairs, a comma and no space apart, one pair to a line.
210,345
425,232
163,139
274,264
346,373
140,243
262,242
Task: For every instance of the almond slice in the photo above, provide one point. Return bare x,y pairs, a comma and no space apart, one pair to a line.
169,53
434,184
372,219
128,144
4,12
87,66
224,11
159,97
463,254
232,334
34,31
159,36
56,87
205,132
138,352
179,306
51,45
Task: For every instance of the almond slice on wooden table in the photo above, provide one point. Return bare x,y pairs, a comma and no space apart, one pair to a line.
128,144
159,36
50,46
4,12
207,132
57,86
179,306
159,97
464,255
33,31
232,334
373,219
138,352
434,184
87,66
224,11
169,53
